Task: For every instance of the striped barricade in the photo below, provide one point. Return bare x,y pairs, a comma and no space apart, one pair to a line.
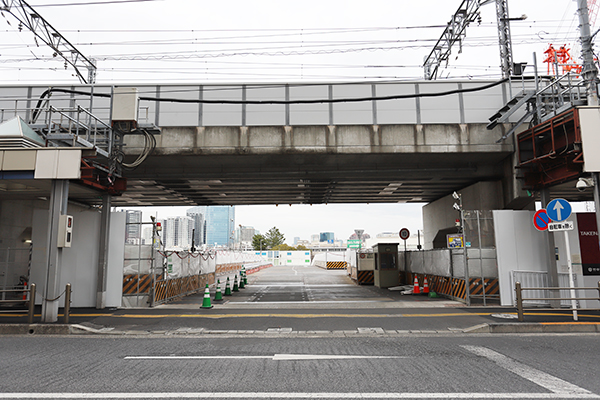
365,278
337,264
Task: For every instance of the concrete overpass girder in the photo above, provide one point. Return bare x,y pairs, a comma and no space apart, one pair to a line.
313,164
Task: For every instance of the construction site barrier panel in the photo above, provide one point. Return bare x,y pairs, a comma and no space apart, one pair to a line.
456,287
253,269
169,289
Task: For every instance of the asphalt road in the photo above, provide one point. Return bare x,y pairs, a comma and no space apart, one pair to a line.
418,367
304,299
299,332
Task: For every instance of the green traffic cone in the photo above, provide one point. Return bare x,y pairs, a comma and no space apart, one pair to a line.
227,288
242,285
206,301
245,276
236,288
218,294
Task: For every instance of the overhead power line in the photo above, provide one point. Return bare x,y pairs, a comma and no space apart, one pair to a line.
42,29
94,3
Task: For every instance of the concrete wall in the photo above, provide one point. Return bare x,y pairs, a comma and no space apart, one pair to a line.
519,246
80,262
440,215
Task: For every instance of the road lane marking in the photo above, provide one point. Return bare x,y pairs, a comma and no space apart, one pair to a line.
292,395
275,357
536,376
282,315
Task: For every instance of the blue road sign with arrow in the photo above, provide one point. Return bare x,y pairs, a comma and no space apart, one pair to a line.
558,210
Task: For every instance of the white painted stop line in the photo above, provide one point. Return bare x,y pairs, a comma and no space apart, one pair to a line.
275,357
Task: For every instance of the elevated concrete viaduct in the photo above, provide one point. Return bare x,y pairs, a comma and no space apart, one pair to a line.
379,142
375,142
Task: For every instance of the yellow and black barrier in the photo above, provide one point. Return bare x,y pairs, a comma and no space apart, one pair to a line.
337,265
365,277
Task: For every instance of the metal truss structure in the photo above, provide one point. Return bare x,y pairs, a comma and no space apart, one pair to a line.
30,19
455,32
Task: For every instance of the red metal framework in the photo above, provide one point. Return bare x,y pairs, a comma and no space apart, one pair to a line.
99,179
550,153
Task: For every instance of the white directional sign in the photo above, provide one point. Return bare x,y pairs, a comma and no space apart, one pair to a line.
558,210
560,226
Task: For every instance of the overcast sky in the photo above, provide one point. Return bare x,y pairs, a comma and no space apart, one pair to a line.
183,41
273,40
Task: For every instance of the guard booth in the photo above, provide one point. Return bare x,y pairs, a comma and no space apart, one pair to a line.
386,265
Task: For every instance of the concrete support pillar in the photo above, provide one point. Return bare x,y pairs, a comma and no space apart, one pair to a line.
103,252
51,292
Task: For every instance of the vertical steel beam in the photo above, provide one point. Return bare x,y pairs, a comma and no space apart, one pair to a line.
58,206
103,252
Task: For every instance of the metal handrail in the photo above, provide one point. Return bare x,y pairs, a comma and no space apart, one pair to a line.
30,302
519,292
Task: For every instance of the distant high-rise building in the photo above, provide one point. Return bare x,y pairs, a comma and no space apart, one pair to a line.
198,214
243,236
326,237
296,240
147,235
220,225
247,233
133,232
177,232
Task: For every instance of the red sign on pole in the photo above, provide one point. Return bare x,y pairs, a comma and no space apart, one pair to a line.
541,220
404,233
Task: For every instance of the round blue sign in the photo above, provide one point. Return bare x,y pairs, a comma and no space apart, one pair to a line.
558,210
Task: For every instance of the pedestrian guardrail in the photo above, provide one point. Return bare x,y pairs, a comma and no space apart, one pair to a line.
520,308
24,304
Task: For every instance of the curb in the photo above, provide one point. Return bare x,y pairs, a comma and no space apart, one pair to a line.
40,329
77,329
536,327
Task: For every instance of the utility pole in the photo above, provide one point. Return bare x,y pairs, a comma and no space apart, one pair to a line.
589,72
590,76
504,38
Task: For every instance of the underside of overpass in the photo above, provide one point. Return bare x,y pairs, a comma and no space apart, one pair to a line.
304,178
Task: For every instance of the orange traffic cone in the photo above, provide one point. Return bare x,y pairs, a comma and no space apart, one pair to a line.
416,288
425,286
